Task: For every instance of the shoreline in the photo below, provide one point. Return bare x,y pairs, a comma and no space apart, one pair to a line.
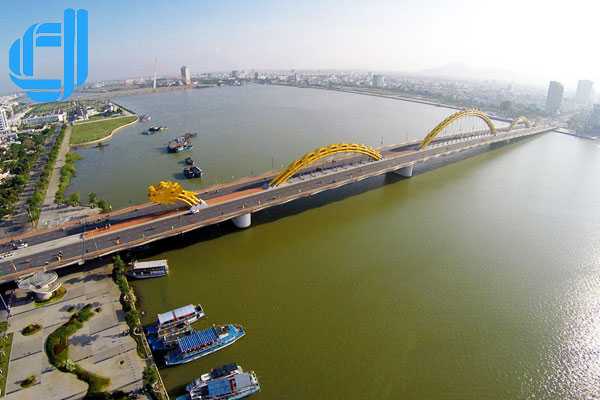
109,136
391,97
132,92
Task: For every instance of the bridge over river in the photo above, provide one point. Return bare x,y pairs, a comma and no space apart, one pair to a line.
317,171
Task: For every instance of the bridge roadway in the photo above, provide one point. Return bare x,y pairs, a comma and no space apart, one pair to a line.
148,223
142,210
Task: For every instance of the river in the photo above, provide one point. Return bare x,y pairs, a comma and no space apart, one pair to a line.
476,280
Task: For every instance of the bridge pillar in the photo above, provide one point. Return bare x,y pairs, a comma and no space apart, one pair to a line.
243,221
406,172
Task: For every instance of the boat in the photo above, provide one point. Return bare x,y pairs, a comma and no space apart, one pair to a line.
154,129
220,372
192,172
147,269
189,161
178,147
145,117
199,344
181,143
171,325
233,386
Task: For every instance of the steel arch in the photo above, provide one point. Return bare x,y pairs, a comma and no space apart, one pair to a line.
320,153
470,112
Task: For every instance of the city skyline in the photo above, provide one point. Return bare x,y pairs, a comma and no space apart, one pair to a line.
284,35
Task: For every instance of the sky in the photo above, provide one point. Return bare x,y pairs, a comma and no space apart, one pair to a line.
535,40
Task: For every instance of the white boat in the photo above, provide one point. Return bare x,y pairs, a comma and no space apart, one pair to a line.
233,386
220,372
171,325
148,269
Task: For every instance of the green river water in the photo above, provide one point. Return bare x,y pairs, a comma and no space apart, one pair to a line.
474,280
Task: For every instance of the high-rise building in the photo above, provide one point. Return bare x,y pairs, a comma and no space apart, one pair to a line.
555,96
584,92
3,120
378,81
594,120
186,77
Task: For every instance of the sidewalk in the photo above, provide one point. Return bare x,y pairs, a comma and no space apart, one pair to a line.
99,346
53,214
55,176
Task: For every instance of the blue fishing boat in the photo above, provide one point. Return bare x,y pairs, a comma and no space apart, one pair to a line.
198,344
232,386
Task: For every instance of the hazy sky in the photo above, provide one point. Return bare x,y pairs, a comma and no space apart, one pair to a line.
541,40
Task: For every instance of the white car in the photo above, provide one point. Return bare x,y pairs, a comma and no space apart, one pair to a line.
196,208
22,245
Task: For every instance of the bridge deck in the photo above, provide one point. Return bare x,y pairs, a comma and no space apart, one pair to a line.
147,223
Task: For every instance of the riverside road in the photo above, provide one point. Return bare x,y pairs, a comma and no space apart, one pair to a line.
77,243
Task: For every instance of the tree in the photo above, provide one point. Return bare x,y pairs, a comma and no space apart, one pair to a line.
104,206
59,198
33,213
92,199
73,199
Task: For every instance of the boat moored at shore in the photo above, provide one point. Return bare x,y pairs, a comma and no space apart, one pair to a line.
220,372
172,325
226,385
148,269
198,344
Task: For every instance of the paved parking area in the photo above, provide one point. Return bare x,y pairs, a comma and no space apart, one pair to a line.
100,346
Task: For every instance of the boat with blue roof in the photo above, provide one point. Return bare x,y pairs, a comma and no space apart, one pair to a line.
229,382
197,344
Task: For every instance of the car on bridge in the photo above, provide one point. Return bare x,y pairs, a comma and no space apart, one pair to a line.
20,245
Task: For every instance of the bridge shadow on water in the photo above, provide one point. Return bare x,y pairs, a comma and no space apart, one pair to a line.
300,205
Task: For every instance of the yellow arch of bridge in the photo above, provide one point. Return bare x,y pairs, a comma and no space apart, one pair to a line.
320,153
470,112
521,120
171,192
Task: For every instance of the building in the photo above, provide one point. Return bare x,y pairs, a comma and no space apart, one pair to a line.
3,120
594,120
42,284
186,77
39,120
235,74
584,92
555,96
378,81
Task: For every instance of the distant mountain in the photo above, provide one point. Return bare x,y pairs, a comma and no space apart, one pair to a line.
462,71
